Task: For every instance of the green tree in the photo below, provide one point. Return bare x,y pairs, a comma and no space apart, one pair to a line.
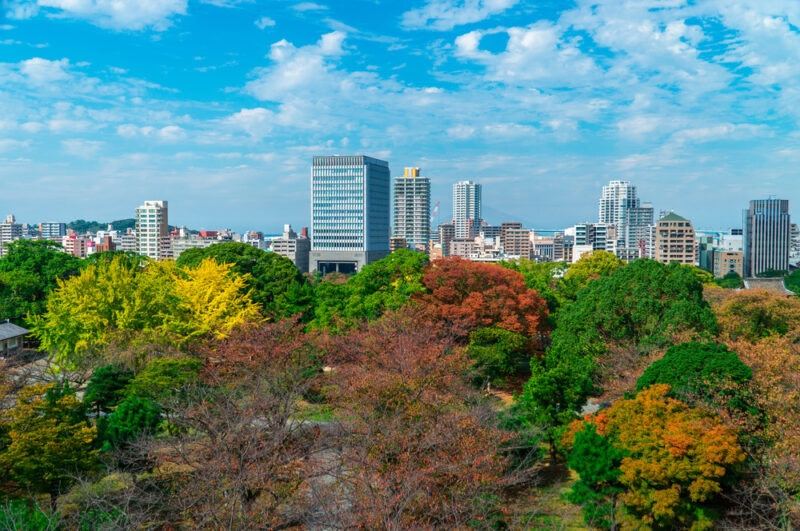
48,444
133,418
772,273
29,271
499,353
641,305
597,463
591,265
792,282
382,286
545,278
732,281
106,387
687,366
555,394
164,376
273,280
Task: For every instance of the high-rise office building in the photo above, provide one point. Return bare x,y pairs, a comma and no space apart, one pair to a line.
412,209
767,236
349,212
152,230
675,240
10,230
466,207
52,230
636,231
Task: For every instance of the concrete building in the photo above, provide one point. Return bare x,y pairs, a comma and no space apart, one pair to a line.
107,244
488,231
10,231
516,242
636,232
181,244
675,240
466,206
75,246
52,230
767,236
597,236
617,198
295,248
562,247
725,262
447,233
412,209
542,248
350,212
396,243
152,230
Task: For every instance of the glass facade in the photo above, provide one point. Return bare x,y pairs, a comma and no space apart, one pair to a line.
350,204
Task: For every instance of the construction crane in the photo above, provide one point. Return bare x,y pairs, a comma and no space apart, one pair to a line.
435,211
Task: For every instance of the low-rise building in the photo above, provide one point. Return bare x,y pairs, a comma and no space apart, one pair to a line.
11,338
294,247
728,262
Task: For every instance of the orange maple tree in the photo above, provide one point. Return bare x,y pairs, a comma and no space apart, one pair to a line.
475,294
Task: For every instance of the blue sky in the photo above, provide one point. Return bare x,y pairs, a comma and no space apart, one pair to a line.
219,105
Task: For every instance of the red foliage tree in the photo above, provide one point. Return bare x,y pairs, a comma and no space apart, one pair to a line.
420,449
474,294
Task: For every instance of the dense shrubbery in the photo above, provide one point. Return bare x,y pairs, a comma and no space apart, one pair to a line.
229,391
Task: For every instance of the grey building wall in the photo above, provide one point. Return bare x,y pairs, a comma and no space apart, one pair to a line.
767,236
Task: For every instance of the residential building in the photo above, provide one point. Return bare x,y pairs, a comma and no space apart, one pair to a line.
562,247
597,236
126,241
505,227
617,198
294,247
466,206
488,231
10,231
181,244
447,233
767,236
412,209
794,250
675,240
107,244
350,212
396,243
152,230
52,230
463,247
75,246
516,242
636,231
725,262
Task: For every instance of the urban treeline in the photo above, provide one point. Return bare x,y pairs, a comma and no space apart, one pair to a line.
228,390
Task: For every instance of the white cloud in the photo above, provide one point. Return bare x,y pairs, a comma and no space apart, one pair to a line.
444,15
114,14
256,122
43,71
171,133
536,53
295,68
264,22
309,6
10,145
84,149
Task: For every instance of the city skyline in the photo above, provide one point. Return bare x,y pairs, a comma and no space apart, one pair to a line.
218,105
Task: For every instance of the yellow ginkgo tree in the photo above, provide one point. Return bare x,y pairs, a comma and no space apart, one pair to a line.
114,303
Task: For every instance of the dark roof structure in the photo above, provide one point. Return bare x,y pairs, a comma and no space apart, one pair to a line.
9,330
774,284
